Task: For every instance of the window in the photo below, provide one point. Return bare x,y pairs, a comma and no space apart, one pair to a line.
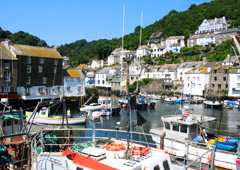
175,127
28,80
29,69
55,62
103,82
215,78
156,167
215,71
6,89
166,165
41,91
98,81
167,125
27,91
238,77
219,86
238,85
28,60
224,78
7,75
184,128
226,86
40,69
213,85
41,61
44,80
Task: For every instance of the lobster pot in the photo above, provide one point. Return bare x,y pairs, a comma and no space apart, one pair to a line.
115,154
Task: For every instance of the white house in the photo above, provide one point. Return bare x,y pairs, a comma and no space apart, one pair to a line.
97,64
167,71
143,51
158,49
174,43
202,39
135,71
234,82
114,57
90,79
103,76
212,25
74,85
185,67
196,81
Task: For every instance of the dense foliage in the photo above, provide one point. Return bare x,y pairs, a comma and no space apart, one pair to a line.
196,53
22,38
175,23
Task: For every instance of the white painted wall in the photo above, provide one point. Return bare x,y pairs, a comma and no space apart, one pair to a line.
101,80
195,84
234,85
40,92
160,75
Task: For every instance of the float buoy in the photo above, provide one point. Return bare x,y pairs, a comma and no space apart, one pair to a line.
139,150
115,147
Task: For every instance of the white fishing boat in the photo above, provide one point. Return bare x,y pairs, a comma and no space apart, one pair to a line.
183,136
103,107
213,104
43,117
103,154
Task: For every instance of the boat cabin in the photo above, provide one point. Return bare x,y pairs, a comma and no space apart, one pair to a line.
184,128
11,123
106,101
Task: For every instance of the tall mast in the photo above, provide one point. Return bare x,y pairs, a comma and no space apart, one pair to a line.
141,25
121,54
1,65
123,26
140,43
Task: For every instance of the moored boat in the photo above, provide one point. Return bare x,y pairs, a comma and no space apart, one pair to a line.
102,153
213,104
43,117
183,136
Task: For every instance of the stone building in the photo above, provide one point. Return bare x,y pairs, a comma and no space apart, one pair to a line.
218,81
8,72
38,72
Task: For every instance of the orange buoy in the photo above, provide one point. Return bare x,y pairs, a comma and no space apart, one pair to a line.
209,158
139,150
115,147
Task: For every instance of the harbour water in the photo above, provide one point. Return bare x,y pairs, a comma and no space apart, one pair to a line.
227,121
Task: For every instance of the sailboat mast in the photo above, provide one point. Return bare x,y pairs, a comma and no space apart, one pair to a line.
140,43
123,26
141,25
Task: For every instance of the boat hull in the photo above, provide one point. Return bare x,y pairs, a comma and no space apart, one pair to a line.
56,120
223,159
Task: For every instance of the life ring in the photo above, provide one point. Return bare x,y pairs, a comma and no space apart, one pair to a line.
139,150
115,146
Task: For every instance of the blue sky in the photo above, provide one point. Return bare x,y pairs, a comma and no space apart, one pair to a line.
64,21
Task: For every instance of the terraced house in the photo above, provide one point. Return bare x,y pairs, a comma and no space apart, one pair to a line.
39,71
8,72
